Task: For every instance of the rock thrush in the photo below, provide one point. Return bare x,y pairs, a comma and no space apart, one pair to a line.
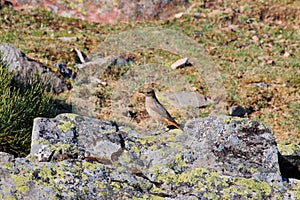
157,111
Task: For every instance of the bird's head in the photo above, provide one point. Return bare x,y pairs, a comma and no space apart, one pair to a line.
149,92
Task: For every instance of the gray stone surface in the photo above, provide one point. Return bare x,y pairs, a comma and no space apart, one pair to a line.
25,69
6,157
184,99
217,157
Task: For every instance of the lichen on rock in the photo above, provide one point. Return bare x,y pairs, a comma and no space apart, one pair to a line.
216,157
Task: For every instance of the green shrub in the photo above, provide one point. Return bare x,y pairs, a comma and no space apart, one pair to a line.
19,105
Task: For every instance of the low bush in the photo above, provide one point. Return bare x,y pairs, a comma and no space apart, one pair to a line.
19,105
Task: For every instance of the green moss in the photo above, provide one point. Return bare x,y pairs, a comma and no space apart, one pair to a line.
20,182
65,126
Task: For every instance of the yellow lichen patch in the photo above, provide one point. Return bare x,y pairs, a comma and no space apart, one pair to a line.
7,165
116,186
176,131
60,147
179,161
70,116
125,157
65,126
8,198
260,189
45,173
156,190
20,183
146,140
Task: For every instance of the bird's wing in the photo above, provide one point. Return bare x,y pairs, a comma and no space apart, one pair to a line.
157,107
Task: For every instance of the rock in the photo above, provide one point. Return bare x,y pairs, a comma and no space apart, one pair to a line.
5,3
67,39
289,160
261,85
179,63
217,157
6,157
178,15
184,99
65,71
80,56
238,111
25,69
108,11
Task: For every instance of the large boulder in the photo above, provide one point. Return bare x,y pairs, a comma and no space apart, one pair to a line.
217,157
26,70
108,11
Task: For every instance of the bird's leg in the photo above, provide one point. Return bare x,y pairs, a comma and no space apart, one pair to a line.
158,127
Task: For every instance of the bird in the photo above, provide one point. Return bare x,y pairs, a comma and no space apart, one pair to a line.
157,111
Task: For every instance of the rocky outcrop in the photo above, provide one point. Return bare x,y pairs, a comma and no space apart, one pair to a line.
217,157
26,70
108,11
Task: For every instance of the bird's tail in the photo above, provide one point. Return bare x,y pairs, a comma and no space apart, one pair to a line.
175,124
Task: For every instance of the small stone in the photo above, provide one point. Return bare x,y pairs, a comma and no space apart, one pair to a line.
261,85
64,70
286,54
68,39
197,15
179,63
178,15
255,38
238,111
198,34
